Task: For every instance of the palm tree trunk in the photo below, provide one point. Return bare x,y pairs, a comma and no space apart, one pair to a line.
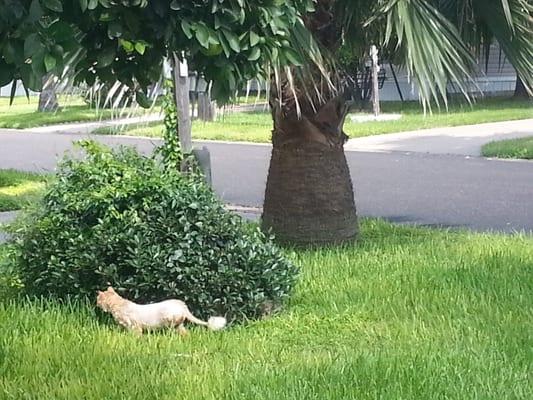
520,89
309,195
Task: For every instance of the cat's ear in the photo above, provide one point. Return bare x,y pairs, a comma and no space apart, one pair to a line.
99,292
110,289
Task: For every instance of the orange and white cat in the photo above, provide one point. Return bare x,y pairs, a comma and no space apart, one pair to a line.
141,317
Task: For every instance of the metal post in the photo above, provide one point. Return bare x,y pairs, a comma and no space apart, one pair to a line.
375,84
396,81
204,160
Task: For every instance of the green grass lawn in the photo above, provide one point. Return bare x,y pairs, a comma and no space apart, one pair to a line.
409,313
239,126
23,113
511,148
252,99
256,127
18,189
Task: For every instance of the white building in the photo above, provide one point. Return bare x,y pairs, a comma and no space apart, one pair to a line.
497,77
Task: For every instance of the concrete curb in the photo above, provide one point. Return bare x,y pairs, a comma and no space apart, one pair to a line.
249,213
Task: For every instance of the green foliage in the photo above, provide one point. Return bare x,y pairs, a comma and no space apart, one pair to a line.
19,189
118,218
102,97
170,150
510,148
509,22
227,41
10,283
434,39
406,313
34,41
233,41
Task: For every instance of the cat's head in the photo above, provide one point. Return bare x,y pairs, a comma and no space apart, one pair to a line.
103,298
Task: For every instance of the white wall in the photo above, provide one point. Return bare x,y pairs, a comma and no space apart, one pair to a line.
493,78
6,90
497,77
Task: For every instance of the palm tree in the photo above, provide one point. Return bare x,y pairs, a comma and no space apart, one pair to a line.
309,197
309,193
510,23
520,90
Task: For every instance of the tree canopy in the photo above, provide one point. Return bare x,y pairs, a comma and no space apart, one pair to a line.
228,41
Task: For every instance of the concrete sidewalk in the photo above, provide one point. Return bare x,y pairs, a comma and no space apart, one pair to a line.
88,127
460,140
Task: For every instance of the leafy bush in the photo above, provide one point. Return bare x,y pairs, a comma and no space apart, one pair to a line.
10,283
118,218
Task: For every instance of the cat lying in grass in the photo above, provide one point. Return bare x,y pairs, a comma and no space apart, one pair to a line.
141,317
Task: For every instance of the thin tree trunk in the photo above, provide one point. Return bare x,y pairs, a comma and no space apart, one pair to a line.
47,97
520,90
206,107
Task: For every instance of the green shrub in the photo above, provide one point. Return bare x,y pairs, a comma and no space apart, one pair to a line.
118,218
10,282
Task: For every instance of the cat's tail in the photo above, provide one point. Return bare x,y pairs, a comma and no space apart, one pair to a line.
213,323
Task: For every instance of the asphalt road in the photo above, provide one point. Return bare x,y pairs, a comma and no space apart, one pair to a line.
433,190
418,188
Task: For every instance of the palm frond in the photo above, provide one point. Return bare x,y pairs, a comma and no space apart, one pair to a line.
415,35
511,23
481,22
429,46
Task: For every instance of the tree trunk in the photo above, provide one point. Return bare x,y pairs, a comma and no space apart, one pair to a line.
309,194
48,97
206,107
520,89
183,109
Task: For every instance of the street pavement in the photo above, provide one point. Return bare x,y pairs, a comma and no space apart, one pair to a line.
404,183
